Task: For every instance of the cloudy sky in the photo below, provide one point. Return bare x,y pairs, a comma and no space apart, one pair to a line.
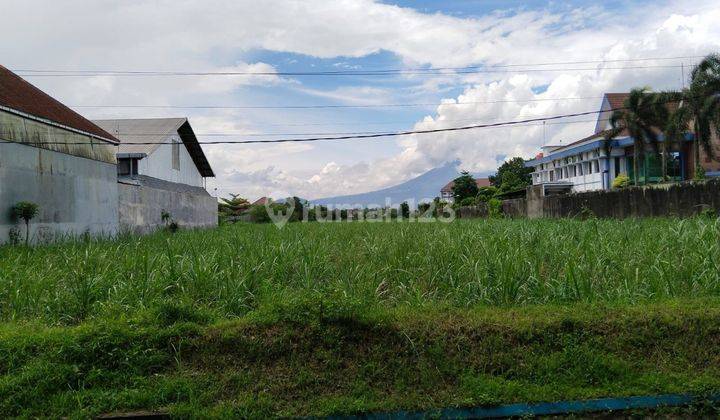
509,44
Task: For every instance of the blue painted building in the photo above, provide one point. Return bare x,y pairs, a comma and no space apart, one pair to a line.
587,165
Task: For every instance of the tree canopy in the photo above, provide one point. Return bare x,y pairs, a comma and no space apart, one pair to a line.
512,175
464,186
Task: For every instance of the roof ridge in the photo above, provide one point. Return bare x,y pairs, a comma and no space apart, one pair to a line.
19,95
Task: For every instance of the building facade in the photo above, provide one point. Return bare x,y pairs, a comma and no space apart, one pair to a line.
55,158
161,169
591,163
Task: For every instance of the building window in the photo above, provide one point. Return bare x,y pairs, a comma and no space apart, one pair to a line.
127,167
176,156
596,166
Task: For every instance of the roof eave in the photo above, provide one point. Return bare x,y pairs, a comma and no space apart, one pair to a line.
58,125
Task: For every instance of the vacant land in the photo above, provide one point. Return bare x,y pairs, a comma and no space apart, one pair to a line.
323,318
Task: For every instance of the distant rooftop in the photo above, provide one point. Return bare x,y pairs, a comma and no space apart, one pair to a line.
481,182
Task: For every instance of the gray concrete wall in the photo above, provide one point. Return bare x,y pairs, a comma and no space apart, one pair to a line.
515,207
683,200
141,205
534,201
75,194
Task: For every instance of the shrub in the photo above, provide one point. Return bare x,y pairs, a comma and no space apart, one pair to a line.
699,174
259,214
14,236
467,201
486,193
621,181
170,224
709,212
494,207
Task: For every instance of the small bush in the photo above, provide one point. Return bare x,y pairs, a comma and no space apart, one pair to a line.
259,214
14,236
494,207
173,227
708,212
699,174
467,201
486,193
621,181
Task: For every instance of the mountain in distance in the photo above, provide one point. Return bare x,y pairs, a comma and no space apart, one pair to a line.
422,188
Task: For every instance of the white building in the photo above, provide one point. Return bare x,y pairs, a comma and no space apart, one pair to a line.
161,148
446,192
161,170
592,163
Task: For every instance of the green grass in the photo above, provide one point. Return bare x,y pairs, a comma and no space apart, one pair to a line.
316,319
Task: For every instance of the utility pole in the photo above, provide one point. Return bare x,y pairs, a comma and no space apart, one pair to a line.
682,74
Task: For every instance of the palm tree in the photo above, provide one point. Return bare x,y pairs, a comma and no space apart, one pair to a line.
698,109
640,116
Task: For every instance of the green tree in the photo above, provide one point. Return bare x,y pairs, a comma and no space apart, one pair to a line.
486,193
298,206
643,112
512,175
259,214
697,110
233,206
405,210
464,186
26,211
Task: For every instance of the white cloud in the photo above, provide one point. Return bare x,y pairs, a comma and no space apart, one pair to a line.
479,150
195,35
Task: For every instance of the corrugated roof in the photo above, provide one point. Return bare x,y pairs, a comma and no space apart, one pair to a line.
134,134
19,95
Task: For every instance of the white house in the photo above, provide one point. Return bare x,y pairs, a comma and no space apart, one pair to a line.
446,192
592,163
162,148
161,169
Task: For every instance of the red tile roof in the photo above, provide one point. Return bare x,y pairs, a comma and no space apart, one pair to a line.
481,182
616,100
21,96
261,201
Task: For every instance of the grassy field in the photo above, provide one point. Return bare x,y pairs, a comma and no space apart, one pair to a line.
340,318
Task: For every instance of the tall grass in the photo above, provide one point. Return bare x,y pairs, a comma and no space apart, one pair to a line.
235,269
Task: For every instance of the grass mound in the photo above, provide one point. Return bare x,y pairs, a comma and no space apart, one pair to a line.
314,319
315,358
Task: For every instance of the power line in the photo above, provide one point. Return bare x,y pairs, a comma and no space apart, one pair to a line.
396,105
364,72
38,73
376,135
325,133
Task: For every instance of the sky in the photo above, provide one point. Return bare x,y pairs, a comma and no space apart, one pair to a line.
512,45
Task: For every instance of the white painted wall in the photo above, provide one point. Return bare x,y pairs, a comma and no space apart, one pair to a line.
158,164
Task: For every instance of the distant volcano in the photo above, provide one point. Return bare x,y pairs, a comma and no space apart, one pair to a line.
422,188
